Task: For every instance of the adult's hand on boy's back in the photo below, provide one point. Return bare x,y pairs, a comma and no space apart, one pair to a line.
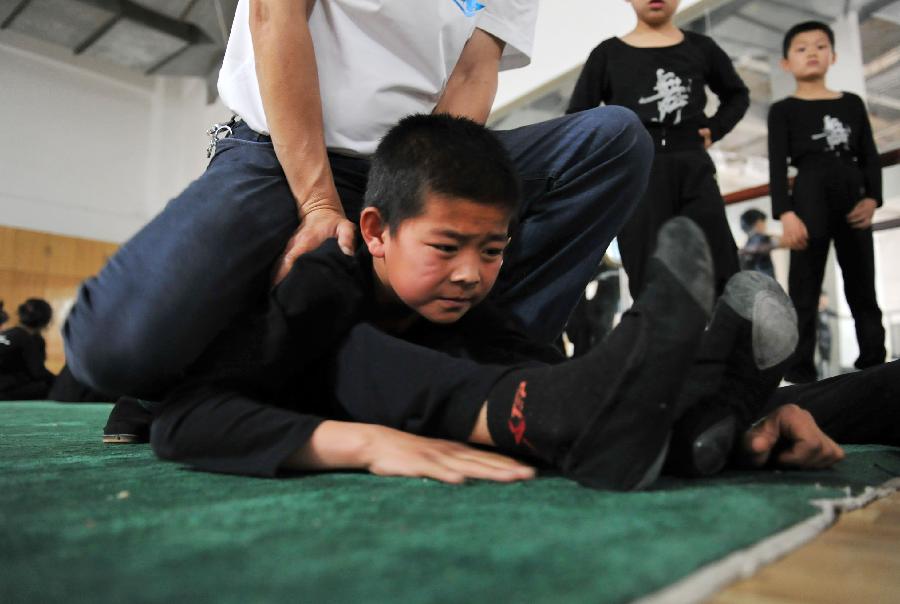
789,437
315,228
794,236
860,217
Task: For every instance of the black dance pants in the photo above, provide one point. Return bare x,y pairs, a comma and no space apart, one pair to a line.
825,191
682,183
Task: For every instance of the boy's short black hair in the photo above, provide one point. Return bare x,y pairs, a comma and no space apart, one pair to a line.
750,218
441,154
804,27
35,313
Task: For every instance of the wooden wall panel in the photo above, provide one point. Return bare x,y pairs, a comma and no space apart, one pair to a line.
42,265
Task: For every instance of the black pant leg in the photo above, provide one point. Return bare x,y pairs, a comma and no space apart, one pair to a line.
700,200
637,239
856,256
855,408
805,286
381,379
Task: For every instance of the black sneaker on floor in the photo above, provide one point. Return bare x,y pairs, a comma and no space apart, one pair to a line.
128,423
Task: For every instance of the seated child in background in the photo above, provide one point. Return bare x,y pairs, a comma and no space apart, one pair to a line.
756,253
23,352
826,135
390,360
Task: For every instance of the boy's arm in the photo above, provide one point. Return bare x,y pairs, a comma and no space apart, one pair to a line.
869,160
588,91
795,235
788,437
387,452
734,97
472,85
219,429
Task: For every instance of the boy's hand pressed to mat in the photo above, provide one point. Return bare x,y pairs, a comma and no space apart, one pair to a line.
789,437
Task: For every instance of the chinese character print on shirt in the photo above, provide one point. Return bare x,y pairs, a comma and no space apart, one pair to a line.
671,95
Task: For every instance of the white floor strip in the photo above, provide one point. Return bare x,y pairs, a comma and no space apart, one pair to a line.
741,564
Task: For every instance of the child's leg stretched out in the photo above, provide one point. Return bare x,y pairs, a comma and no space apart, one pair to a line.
603,419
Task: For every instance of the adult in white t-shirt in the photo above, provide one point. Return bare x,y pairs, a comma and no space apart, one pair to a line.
316,84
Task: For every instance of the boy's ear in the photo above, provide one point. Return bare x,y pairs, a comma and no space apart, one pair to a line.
785,65
833,57
373,229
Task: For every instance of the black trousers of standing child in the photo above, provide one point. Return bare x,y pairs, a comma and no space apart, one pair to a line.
827,187
682,183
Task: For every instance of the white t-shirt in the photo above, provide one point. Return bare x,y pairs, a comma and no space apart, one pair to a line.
378,60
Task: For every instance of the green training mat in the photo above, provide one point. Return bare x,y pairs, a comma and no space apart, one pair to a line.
87,522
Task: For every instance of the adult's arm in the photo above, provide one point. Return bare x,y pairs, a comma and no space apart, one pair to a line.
734,97
472,85
289,86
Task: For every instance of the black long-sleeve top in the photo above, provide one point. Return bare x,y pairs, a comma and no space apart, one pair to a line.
22,357
800,129
263,386
664,86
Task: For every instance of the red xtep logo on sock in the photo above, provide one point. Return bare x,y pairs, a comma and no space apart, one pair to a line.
517,415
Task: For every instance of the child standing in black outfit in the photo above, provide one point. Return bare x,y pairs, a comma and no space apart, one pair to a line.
660,73
826,135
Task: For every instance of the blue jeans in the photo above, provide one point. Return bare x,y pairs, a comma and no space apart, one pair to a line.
207,257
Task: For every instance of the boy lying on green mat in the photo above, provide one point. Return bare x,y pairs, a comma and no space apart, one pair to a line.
392,359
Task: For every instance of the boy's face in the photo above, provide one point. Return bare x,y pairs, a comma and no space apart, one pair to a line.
442,262
809,55
654,12
760,226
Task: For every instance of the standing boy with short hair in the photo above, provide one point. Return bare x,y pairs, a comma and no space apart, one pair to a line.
826,135
660,73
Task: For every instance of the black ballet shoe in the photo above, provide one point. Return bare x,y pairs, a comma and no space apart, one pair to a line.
128,423
625,449
741,360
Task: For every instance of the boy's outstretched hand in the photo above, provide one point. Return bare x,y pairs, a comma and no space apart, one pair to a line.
790,437
387,452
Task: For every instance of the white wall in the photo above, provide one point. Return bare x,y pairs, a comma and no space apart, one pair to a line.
88,149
